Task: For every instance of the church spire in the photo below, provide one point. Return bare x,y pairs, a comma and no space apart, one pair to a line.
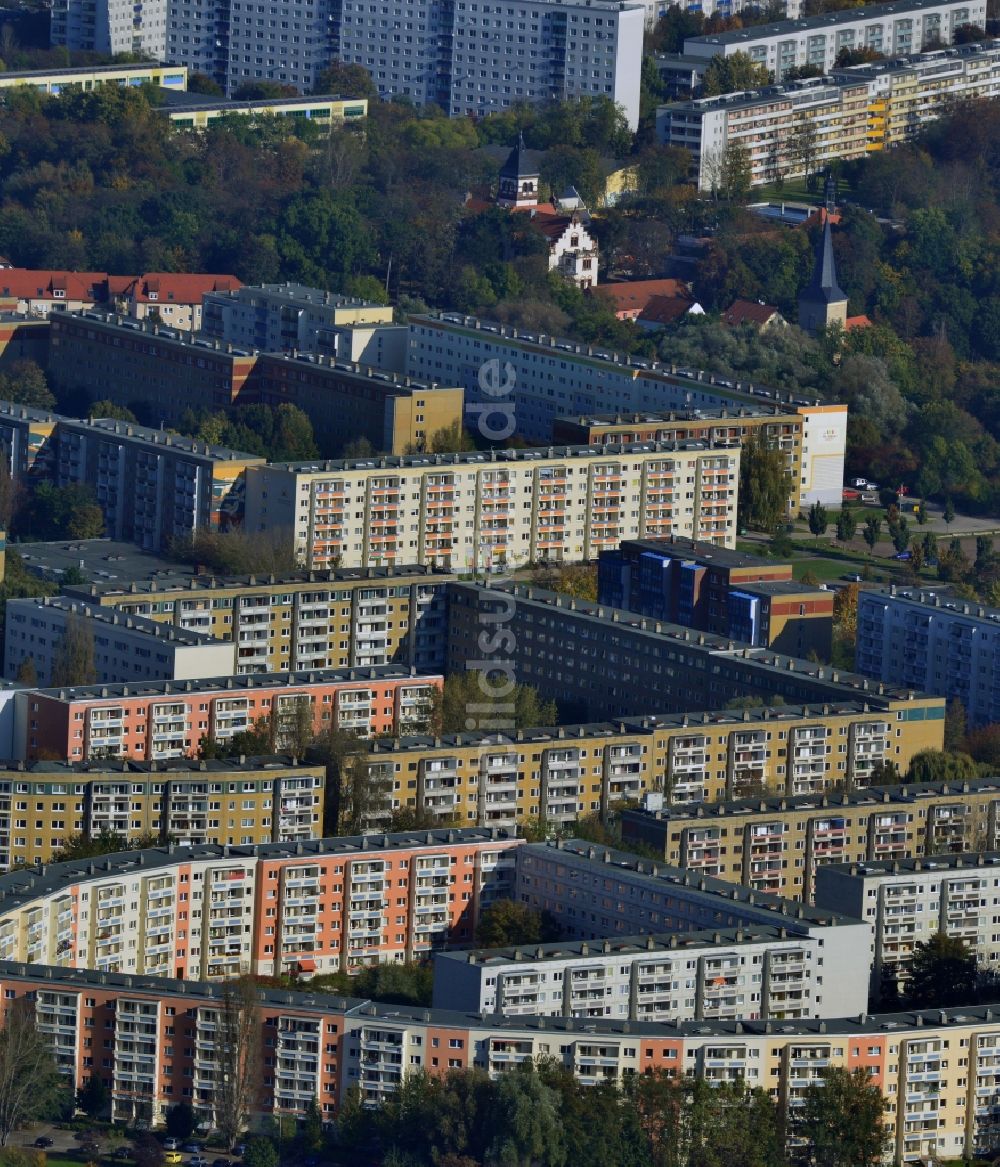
518,178
822,302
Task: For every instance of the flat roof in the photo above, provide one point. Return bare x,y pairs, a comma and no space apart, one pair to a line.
177,582
871,797
939,598
100,560
651,943
698,380
780,587
707,554
116,766
648,724
496,456
18,888
600,421
233,685
968,861
604,616
289,291
111,617
172,101
84,69
874,12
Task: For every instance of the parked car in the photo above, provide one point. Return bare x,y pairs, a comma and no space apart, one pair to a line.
122,1153
221,1163
197,1161
43,1141
91,1149
859,483
240,1150
192,1148
852,577
172,1157
904,555
171,1144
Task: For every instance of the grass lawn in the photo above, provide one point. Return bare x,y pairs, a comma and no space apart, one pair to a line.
793,191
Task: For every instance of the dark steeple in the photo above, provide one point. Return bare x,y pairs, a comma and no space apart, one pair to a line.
518,165
822,302
518,178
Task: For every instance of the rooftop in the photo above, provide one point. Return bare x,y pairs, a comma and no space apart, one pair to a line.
232,684
174,101
708,554
808,24
166,632
599,421
290,292
871,797
131,431
927,598
114,766
9,74
964,861
699,380
99,560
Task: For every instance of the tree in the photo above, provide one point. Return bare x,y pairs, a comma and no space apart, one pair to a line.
764,484
31,1086
901,534
803,148
450,439
921,512
345,80
180,1120
847,525
873,528
940,766
147,1151
949,511
110,409
818,519
489,702
954,725
732,73
27,673
260,1152
526,1118
505,922
845,610
841,1119
93,1097
24,383
364,794
73,662
238,1037
943,972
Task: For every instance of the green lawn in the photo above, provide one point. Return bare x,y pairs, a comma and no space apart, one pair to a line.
793,191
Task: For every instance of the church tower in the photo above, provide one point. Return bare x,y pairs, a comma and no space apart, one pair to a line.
518,179
822,302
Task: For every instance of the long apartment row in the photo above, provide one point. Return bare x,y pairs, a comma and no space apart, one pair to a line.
153,1041
234,801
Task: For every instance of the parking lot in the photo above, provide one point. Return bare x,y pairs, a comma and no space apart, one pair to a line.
75,1146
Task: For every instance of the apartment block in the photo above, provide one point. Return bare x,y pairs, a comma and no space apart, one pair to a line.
498,508
849,114
278,318
607,663
745,597
126,648
779,844
28,440
192,111
110,26
158,371
780,427
519,382
907,901
311,905
344,618
558,774
345,401
749,972
907,27
53,81
232,801
948,646
168,719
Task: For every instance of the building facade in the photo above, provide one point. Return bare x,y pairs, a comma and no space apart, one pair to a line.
949,646
556,775
339,619
53,81
229,801
608,663
847,113
485,509
713,589
908,901
521,382
110,26
908,27
125,648
781,844
168,719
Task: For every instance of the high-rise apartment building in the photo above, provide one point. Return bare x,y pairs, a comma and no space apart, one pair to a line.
111,26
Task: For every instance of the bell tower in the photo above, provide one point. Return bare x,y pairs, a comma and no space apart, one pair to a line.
518,179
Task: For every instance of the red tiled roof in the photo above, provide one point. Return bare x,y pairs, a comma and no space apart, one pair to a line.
26,284
820,215
857,322
169,287
748,312
636,294
665,309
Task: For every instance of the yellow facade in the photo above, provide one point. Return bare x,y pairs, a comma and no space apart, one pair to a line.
53,81
326,111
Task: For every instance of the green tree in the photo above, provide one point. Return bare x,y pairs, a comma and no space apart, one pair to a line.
949,511
921,512
872,531
901,534
527,1121
841,1119
363,794
180,1120
93,1097
943,972
73,662
24,383
505,922
450,439
818,519
764,484
955,725
736,72
260,1152
488,700
940,766
345,80
238,1039
31,1086
105,408
27,673
847,525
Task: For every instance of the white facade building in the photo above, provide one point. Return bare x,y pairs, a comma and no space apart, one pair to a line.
889,29
935,643
126,648
752,973
525,381
907,901
484,510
